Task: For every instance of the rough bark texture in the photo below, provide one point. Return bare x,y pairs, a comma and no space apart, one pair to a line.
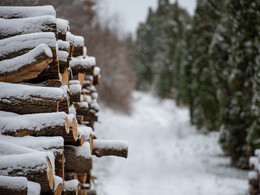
81,109
76,163
8,191
78,51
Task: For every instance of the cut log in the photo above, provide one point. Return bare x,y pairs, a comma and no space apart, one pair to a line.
34,188
71,187
91,192
65,77
75,92
110,148
62,28
52,83
58,182
78,159
44,124
21,44
25,99
78,41
63,60
35,166
80,65
51,72
9,28
70,175
27,66
80,119
64,104
81,108
13,185
10,12
53,144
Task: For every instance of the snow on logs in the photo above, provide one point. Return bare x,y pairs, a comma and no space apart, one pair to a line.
82,65
25,99
253,174
37,167
62,28
9,28
11,12
77,42
110,148
27,66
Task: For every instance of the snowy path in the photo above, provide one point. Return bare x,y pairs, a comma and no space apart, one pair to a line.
166,155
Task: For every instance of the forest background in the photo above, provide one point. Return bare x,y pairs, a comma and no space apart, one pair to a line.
209,62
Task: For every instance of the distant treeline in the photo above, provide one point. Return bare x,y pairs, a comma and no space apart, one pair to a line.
211,62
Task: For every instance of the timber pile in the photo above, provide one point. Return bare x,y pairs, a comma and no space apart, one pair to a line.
48,106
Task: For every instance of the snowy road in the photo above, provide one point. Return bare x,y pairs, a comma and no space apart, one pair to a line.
166,155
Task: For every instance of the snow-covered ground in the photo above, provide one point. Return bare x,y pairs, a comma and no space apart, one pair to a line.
167,156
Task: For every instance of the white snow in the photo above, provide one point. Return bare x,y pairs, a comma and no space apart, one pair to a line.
252,175
96,71
28,41
74,89
16,183
82,104
70,185
85,50
253,161
28,11
78,40
7,148
16,63
33,122
110,144
94,95
166,154
257,152
27,25
62,25
74,82
63,45
57,181
63,55
86,132
86,62
20,91
36,143
83,150
72,110
33,188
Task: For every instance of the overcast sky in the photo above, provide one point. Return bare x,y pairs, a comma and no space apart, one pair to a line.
132,12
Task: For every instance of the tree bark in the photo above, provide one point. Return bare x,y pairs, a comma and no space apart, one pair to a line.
13,185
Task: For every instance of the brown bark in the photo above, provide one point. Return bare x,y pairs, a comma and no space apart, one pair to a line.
9,182
81,108
27,71
107,148
78,51
64,104
52,83
97,80
75,162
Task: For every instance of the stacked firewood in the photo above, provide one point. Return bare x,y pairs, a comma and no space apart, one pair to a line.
254,173
48,106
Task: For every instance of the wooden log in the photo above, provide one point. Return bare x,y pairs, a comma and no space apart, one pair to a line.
44,124
78,159
52,83
9,28
63,60
81,108
75,92
78,41
82,65
70,175
71,187
110,148
64,45
91,192
10,12
27,66
82,177
13,185
65,77
64,104
24,99
97,80
21,44
51,72
62,28
58,183
35,166
80,119
53,144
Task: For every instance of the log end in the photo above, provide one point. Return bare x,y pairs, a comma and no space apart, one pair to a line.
67,125
50,173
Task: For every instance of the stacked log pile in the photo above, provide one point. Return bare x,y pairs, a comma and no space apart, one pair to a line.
48,106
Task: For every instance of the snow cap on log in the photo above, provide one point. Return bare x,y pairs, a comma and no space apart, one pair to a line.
9,12
62,26
20,44
71,185
82,65
63,45
77,40
33,188
27,66
14,184
58,181
63,56
9,148
96,71
9,28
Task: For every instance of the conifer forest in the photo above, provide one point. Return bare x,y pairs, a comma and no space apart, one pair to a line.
178,99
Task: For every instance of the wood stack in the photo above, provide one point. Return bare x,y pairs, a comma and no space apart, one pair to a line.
48,105
254,173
